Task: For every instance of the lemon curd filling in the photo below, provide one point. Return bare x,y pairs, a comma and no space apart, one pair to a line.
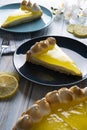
66,117
55,56
19,14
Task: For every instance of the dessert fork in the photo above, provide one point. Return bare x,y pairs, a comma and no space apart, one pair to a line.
4,45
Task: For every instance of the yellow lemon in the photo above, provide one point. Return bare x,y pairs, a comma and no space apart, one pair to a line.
8,85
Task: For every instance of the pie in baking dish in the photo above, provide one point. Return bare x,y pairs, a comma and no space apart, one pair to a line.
26,13
48,54
63,109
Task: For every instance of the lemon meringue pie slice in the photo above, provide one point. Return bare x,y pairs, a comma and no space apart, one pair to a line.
63,109
48,54
26,13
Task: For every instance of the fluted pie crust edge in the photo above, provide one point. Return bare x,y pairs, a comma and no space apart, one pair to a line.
44,106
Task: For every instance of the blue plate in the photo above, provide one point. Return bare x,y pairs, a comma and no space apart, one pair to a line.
41,75
36,25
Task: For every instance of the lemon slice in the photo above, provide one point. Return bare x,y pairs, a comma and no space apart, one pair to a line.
70,28
8,85
80,30
16,75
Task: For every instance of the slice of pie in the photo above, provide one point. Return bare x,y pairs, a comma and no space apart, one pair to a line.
48,54
26,13
63,109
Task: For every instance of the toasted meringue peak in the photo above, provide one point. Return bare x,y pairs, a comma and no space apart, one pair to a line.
36,7
77,92
35,113
28,53
24,123
85,91
44,106
24,2
33,6
29,4
41,46
53,98
51,40
65,95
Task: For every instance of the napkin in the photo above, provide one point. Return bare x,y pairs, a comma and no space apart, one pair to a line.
11,49
15,40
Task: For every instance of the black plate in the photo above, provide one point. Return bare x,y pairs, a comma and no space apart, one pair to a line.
38,74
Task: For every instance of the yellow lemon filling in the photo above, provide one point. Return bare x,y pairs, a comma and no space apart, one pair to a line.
72,116
19,15
55,56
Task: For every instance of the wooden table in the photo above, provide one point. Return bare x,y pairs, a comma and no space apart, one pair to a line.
28,92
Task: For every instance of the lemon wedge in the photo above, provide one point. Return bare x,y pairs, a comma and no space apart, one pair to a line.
8,85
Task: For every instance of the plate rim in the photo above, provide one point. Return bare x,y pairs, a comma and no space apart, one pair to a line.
48,84
12,31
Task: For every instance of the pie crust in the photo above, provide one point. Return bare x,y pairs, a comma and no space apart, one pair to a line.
43,107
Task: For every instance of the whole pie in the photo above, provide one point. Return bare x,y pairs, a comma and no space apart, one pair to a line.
48,54
26,13
63,109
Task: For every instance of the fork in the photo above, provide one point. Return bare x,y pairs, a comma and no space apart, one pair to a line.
5,44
